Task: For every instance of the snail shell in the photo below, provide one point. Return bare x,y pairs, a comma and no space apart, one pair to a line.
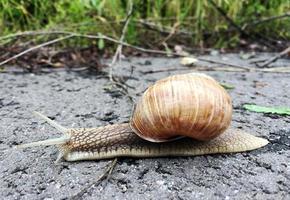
192,105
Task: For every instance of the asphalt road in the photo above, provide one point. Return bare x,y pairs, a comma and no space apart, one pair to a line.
80,99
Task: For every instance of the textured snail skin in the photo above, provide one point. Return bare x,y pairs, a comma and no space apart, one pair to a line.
192,105
205,114
119,140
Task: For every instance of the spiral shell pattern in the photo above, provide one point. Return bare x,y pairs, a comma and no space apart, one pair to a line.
192,105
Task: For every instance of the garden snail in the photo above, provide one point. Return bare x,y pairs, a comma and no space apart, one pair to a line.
181,115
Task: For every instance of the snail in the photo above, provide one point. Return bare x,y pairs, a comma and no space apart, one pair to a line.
181,115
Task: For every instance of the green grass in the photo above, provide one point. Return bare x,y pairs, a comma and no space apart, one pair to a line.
198,17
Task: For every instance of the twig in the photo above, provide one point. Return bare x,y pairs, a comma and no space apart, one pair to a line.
201,68
105,175
118,52
34,48
225,63
32,33
72,34
231,22
223,69
258,61
257,22
276,69
162,52
234,25
171,33
100,36
273,59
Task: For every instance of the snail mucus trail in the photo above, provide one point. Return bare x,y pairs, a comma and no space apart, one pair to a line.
181,115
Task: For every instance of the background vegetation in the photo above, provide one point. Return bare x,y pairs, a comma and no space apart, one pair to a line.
201,23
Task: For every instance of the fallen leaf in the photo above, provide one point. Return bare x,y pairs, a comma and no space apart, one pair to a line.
247,56
263,109
188,61
227,86
58,64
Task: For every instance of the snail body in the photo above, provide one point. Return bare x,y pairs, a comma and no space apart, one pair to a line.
193,106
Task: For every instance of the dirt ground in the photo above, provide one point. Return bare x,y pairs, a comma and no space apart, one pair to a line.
79,99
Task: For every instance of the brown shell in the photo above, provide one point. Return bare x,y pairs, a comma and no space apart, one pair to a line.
192,105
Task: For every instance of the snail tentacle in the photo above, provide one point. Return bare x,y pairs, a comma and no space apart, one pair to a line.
53,141
51,122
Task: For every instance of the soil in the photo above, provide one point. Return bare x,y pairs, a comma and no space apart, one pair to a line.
82,99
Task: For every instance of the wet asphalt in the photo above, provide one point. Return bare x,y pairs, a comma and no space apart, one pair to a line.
85,99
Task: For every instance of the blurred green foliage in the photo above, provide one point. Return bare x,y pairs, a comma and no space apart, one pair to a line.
198,18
